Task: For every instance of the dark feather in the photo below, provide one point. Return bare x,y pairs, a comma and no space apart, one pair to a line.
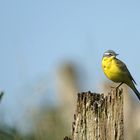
124,68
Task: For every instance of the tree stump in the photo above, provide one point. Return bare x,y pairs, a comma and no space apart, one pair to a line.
99,117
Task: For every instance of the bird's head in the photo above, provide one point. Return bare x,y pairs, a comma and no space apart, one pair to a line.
110,53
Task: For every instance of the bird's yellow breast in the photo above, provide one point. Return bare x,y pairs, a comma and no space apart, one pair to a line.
111,69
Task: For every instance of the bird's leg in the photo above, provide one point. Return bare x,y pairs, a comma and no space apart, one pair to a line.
112,88
119,85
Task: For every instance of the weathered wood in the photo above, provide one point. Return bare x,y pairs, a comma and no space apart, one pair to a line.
99,117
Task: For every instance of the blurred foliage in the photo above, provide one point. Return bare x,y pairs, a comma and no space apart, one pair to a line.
54,122
49,126
50,122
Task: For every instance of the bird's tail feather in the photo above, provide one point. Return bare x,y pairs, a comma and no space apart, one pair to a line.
136,92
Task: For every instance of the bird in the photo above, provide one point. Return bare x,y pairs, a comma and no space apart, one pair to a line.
117,71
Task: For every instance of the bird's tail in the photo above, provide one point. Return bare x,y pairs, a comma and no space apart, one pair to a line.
136,91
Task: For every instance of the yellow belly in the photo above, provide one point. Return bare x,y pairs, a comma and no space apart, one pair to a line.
112,71
117,71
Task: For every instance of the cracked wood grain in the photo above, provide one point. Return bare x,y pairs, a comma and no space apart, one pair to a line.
99,117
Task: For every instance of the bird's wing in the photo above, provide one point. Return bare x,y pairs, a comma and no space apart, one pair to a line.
123,67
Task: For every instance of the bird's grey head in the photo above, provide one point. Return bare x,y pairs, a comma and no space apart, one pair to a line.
110,53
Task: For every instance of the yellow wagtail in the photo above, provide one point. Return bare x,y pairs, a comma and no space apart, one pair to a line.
117,71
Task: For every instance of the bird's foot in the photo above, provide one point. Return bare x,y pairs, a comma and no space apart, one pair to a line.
115,88
112,88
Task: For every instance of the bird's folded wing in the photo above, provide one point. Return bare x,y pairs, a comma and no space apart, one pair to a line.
124,68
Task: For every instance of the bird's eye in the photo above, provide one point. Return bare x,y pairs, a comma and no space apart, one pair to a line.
110,54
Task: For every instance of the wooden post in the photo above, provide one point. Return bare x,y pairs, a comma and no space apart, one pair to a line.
98,117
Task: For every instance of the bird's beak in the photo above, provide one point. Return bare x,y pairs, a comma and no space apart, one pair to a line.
117,54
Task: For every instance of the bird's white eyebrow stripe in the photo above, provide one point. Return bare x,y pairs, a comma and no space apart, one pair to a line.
107,53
